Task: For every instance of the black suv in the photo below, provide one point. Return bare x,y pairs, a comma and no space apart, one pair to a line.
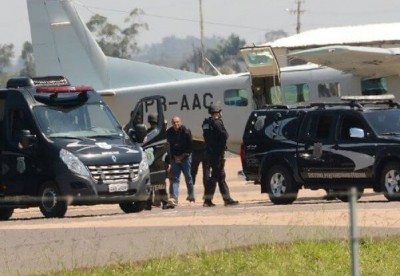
352,143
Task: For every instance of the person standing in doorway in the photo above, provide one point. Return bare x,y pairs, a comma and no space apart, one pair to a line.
159,195
180,147
215,137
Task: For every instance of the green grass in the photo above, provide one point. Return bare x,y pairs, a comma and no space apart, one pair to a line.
376,257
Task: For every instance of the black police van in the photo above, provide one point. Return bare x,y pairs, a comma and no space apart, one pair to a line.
61,145
352,143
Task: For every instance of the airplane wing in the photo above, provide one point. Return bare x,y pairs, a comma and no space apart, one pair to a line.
364,62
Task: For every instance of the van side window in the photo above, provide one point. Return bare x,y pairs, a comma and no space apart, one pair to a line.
236,97
17,121
296,93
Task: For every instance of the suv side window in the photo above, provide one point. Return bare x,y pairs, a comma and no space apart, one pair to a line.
320,126
348,122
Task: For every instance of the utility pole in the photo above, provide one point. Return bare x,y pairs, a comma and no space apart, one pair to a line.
297,12
202,36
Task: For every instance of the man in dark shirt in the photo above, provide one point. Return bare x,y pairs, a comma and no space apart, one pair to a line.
180,144
215,136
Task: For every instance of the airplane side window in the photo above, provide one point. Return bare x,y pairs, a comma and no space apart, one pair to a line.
236,97
374,86
327,90
296,93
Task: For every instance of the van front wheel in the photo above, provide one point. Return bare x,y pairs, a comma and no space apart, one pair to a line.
52,204
132,207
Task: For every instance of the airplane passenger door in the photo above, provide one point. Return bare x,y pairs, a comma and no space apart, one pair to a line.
149,111
265,74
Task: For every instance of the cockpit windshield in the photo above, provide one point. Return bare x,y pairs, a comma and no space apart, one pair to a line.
89,120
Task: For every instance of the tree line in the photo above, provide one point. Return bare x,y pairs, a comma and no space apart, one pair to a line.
122,42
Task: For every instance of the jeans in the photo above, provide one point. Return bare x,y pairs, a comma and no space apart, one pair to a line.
185,167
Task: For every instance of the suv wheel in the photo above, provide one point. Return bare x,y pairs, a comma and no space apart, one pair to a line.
281,187
390,181
52,205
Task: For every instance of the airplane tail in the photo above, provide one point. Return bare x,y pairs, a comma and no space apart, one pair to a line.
63,45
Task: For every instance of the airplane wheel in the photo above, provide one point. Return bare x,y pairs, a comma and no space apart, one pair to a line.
343,195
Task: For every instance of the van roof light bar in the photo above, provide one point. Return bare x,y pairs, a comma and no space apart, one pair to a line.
63,89
19,82
50,81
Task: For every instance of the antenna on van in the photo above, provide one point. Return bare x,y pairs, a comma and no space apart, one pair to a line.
213,67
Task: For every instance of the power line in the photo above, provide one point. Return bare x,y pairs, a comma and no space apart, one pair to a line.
180,19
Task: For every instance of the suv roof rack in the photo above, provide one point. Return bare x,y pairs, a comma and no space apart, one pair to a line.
287,106
388,100
368,98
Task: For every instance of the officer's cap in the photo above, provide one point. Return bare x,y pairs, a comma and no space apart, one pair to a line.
214,108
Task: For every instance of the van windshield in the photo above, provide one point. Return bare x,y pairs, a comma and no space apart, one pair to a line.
89,120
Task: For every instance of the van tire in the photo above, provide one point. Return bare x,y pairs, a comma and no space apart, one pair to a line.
390,181
6,213
52,204
132,207
280,185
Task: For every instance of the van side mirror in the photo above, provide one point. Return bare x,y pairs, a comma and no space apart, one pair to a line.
27,138
138,134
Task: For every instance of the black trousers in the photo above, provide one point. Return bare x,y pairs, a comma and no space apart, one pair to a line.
216,163
199,156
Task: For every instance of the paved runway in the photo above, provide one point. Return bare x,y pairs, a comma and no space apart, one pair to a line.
103,234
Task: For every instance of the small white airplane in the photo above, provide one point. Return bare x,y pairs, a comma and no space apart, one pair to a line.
63,45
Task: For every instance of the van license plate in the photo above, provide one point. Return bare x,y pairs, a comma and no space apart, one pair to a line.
118,187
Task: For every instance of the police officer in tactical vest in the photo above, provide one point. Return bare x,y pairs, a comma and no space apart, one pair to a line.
215,137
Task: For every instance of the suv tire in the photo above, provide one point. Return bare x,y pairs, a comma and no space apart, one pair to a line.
280,185
390,181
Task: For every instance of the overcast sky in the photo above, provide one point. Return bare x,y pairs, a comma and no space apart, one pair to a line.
250,19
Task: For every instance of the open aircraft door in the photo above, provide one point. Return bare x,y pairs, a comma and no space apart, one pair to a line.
155,144
265,74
